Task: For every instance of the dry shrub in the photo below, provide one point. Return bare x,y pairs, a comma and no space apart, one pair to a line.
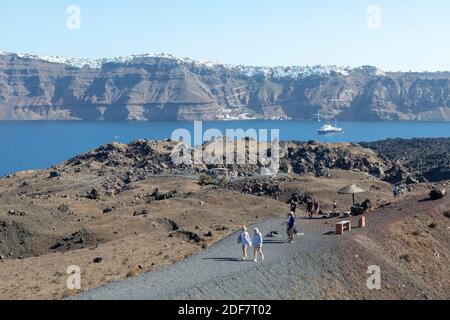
433,226
135,272
406,257
70,293
205,180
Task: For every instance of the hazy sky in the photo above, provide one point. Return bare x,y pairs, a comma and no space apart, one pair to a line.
406,35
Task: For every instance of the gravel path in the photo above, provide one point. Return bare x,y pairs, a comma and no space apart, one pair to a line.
290,270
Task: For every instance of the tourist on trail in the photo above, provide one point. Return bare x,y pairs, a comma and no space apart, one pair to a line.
291,227
293,205
310,207
396,191
316,207
258,244
245,241
334,206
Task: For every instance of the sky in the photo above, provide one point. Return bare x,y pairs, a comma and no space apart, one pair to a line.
393,35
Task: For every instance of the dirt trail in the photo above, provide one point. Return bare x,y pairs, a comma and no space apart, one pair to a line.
217,273
319,265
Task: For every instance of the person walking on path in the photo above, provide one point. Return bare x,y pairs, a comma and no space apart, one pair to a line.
245,241
258,245
291,227
293,206
396,191
316,207
310,207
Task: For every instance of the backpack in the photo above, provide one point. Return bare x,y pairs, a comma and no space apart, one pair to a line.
239,240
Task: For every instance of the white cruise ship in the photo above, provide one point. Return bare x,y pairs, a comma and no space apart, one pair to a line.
328,128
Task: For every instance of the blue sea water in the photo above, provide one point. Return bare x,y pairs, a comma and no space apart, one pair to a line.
35,145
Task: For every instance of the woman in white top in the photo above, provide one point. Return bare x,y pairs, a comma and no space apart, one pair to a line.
258,244
244,240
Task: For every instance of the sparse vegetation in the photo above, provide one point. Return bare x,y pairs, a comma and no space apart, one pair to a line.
205,180
222,182
447,214
433,225
406,257
135,272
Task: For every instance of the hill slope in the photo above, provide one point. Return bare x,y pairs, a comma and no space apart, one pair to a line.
162,87
411,251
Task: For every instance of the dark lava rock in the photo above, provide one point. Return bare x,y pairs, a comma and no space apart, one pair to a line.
159,196
165,196
395,175
94,194
64,208
78,240
191,236
107,210
54,174
436,194
209,234
168,224
425,157
221,228
140,213
16,213
377,171
411,180
258,188
98,260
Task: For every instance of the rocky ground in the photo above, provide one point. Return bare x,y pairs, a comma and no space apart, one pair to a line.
410,249
426,158
122,210
124,164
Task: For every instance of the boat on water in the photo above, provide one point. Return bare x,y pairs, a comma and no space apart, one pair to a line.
328,128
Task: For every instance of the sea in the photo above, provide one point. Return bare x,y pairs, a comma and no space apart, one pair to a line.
29,145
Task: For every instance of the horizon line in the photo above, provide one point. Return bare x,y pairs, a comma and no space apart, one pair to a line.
214,62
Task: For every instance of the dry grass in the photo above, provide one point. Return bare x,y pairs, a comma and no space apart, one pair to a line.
433,225
406,257
135,272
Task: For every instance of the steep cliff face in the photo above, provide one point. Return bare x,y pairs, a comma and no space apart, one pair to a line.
163,87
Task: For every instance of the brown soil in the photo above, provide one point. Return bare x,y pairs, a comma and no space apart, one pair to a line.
48,224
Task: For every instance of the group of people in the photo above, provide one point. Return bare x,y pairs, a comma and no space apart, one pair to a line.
312,207
398,190
246,242
257,241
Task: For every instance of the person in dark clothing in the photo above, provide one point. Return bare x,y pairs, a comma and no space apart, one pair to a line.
310,207
291,227
396,191
316,207
293,206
